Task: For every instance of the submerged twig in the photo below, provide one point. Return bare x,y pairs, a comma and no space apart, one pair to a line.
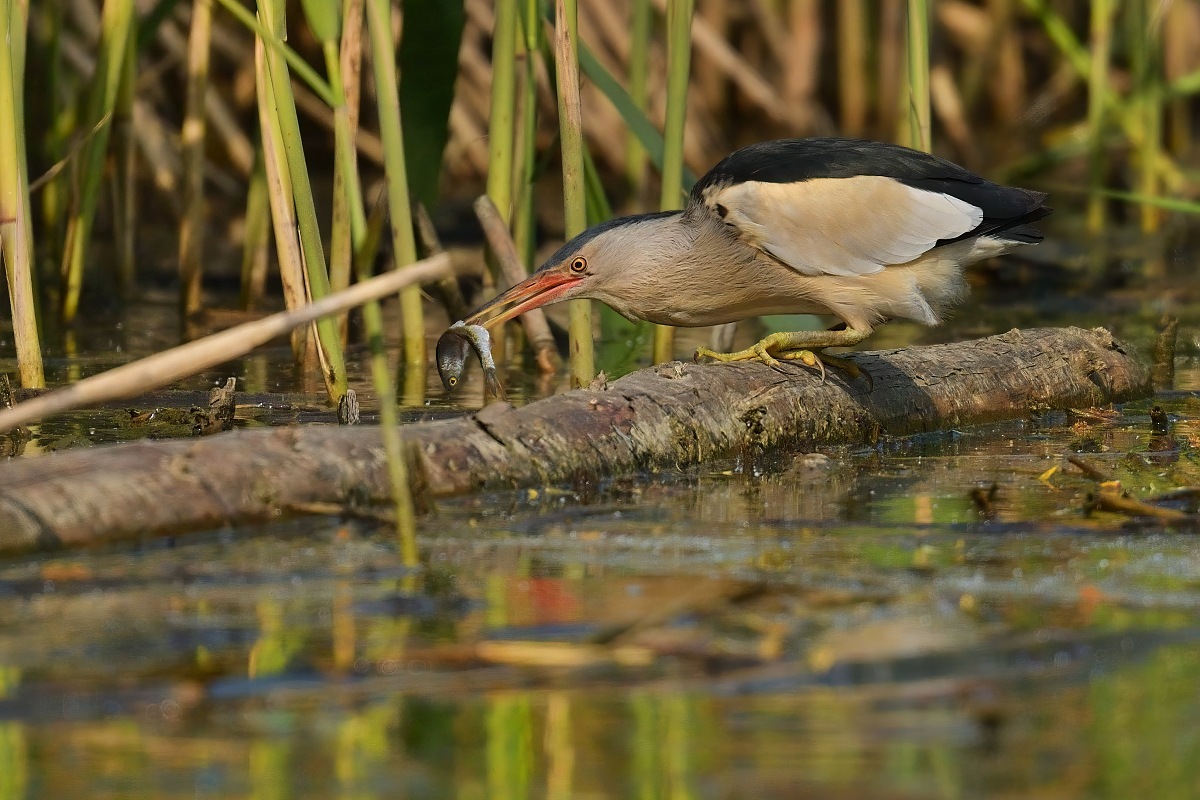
1113,500
447,289
1098,475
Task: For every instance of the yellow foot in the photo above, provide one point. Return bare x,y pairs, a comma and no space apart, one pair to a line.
759,352
780,347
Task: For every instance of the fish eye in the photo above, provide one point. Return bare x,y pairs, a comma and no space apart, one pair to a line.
579,265
452,381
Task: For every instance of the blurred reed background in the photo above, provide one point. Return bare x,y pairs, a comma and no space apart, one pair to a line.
153,140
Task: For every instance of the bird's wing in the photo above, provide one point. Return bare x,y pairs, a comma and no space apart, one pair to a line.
841,226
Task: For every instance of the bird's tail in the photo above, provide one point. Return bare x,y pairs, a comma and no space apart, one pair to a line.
1025,234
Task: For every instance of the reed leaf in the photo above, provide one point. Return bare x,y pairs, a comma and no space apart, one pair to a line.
428,70
636,120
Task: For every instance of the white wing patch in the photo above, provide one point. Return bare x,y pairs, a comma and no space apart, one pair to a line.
842,226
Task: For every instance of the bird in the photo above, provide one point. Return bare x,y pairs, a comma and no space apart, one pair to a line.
863,231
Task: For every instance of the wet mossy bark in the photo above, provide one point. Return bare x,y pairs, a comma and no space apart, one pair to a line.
673,415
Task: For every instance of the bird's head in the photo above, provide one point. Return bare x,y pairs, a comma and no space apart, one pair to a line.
595,264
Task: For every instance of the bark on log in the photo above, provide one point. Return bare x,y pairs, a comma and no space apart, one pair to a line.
672,415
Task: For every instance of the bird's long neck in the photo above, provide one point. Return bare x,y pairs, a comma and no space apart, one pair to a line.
674,262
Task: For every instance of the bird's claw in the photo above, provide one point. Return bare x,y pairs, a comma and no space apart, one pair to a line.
808,358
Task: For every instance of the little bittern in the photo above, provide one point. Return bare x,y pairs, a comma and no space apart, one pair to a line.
864,231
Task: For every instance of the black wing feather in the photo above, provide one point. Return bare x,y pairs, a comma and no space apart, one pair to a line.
795,160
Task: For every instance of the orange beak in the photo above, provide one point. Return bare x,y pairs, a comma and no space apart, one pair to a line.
535,291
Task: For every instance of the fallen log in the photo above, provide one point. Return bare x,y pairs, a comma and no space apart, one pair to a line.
673,415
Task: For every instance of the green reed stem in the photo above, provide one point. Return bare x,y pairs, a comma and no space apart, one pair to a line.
1146,61
191,231
341,240
570,127
404,248
523,218
679,58
641,18
919,117
16,236
501,122
125,183
334,371
115,35
257,236
1098,101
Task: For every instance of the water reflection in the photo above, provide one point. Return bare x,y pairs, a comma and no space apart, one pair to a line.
1128,732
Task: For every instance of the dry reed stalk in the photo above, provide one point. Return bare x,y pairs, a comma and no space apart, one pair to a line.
772,30
191,231
853,88
612,40
756,89
890,67
158,149
948,105
804,51
1181,56
341,240
1007,65
223,124
706,78
177,363
447,287
470,137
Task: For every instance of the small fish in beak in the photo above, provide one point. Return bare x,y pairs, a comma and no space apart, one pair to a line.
453,348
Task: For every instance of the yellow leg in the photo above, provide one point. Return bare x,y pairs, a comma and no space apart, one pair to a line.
802,346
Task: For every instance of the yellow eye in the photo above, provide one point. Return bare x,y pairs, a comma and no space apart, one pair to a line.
579,265
453,382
